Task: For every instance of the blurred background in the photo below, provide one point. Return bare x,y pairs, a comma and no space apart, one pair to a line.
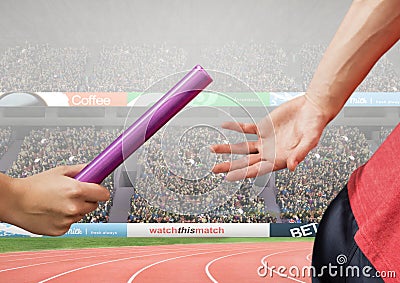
104,54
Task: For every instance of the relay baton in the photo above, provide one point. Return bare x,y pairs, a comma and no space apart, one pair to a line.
146,126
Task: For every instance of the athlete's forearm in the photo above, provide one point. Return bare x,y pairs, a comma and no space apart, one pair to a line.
7,197
368,30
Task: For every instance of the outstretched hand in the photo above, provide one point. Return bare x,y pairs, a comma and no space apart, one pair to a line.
285,137
49,202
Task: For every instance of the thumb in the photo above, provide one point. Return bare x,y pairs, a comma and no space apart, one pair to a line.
300,152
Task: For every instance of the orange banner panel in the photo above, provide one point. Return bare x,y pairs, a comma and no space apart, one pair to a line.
97,98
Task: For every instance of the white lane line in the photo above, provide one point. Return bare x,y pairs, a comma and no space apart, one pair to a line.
207,268
308,257
58,252
20,254
165,260
282,275
106,262
71,259
212,278
60,255
57,261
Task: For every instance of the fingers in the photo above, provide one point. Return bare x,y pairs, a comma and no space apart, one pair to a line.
78,208
51,201
237,164
238,148
73,189
85,208
87,191
69,171
259,168
93,193
74,213
240,127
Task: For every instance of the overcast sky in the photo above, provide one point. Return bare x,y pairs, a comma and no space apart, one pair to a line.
181,22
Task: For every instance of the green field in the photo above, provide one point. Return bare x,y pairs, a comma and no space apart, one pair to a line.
33,244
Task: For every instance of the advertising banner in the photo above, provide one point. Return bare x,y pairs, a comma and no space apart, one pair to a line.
357,99
77,99
296,230
97,98
234,99
278,98
198,230
76,230
97,230
8,230
176,230
362,99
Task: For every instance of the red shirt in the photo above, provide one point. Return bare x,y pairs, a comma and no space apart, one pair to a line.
374,193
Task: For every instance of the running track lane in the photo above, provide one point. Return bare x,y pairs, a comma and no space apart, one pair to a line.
244,267
44,267
120,270
174,263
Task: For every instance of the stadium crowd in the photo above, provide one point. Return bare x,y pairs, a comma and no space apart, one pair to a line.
5,135
303,195
172,169
263,66
309,57
133,68
40,67
242,207
46,148
383,76
383,133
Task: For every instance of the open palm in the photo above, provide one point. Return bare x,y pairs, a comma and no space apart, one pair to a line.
284,139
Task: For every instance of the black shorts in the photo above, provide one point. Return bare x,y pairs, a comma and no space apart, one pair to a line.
336,256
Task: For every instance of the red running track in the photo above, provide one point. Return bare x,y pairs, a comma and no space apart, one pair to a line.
239,262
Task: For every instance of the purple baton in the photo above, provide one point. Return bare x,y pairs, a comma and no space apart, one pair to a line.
146,126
